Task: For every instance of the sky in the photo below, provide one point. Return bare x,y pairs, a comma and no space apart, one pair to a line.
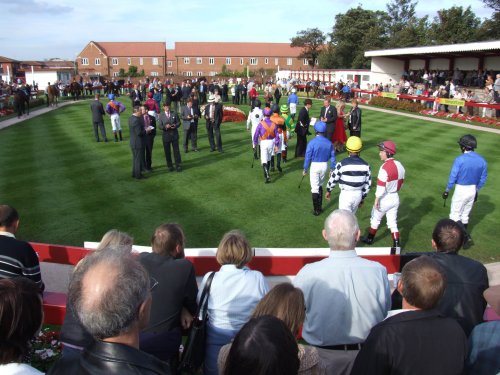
44,29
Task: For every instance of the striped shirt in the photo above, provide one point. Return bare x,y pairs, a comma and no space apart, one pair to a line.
390,178
17,258
351,173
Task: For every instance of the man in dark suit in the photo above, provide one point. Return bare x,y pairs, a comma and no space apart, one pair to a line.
169,123
213,116
149,122
137,134
355,120
17,258
97,118
328,115
302,129
136,96
190,117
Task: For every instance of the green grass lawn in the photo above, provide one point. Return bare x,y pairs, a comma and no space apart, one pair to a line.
69,189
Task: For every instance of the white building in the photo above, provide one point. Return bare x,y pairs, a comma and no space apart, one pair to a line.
361,76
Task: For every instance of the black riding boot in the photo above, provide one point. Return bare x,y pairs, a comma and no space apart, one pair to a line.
267,179
315,200
278,161
467,237
370,237
121,138
320,199
272,163
116,137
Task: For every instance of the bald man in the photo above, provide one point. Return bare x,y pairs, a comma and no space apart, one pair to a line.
113,314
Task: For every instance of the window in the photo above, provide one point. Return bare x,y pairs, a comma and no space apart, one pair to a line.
315,61
289,61
115,74
155,60
212,74
129,61
228,61
186,60
141,61
188,74
241,61
154,74
85,61
199,74
306,61
365,78
253,61
211,60
276,61
199,60
114,61
97,61
169,64
266,61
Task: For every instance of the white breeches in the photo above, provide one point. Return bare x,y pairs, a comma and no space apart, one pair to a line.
317,174
349,200
266,150
462,202
389,205
115,122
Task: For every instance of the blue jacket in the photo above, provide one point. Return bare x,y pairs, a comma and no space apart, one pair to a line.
468,169
319,150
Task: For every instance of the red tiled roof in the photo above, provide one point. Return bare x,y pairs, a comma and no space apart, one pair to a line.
4,59
217,49
127,49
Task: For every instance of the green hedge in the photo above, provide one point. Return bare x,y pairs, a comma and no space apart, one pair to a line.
404,105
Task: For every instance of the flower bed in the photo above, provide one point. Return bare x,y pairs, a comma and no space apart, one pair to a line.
233,114
45,349
462,116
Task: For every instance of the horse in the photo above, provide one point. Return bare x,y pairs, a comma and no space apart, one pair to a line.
75,90
21,102
53,93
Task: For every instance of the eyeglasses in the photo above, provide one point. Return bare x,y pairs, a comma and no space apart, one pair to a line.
153,283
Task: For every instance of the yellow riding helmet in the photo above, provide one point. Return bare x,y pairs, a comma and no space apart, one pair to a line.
354,144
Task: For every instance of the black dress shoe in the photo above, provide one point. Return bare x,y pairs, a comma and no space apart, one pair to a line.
195,150
170,169
212,150
179,169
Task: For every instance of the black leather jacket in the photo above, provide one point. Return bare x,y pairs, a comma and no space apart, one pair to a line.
110,358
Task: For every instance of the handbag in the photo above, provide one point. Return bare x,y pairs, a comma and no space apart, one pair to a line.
194,350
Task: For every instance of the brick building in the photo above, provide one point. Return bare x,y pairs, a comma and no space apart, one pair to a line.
107,58
190,59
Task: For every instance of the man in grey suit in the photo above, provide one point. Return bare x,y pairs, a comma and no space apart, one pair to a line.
137,133
169,123
328,115
97,118
190,117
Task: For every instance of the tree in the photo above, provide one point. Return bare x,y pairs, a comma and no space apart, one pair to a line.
493,4
490,28
132,71
405,29
311,41
357,31
121,72
455,25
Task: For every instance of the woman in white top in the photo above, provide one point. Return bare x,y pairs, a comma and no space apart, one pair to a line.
20,319
234,293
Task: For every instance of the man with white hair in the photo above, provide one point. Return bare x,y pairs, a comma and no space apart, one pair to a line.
345,295
112,297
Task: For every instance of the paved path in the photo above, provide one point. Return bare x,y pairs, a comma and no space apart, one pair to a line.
33,113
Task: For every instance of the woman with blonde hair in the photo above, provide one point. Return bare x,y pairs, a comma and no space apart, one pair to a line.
117,240
234,293
339,136
286,303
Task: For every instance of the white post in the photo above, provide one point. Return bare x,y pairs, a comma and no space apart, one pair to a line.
8,74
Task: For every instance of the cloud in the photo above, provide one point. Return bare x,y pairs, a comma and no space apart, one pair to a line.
34,6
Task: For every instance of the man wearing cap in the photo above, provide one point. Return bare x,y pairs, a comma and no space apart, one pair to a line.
267,134
169,123
353,175
280,124
389,181
255,117
328,115
293,102
114,108
468,174
288,127
302,129
318,152
483,342
213,116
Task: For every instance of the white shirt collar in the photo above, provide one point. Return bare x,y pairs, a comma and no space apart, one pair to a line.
7,234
